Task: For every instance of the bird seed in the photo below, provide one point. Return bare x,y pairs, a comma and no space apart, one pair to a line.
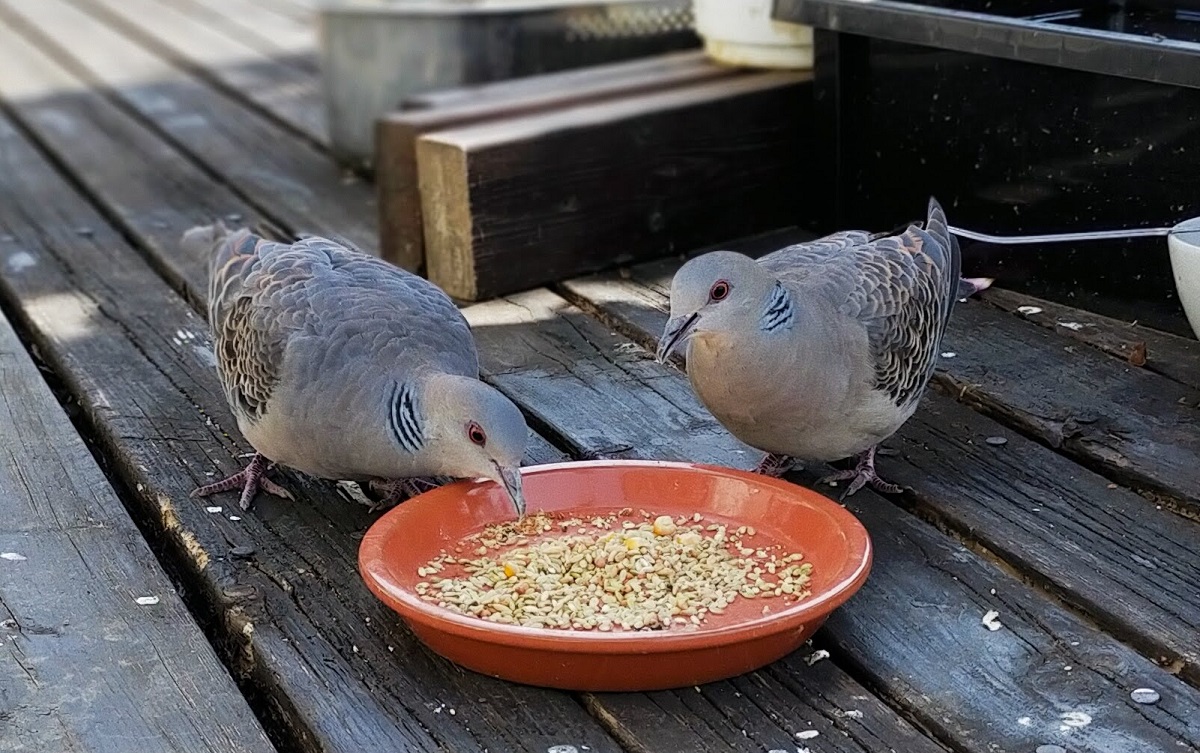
623,571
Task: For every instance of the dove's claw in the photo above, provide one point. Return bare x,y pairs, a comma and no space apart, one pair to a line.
250,480
774,465
862,474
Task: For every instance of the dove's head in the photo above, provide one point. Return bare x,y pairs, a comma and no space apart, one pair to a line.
719,292
471,430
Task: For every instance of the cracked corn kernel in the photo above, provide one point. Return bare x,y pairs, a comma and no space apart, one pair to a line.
630,578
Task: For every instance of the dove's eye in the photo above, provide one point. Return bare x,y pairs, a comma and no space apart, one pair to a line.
719,291
476,434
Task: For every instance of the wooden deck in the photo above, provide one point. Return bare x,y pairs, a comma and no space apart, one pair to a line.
124,122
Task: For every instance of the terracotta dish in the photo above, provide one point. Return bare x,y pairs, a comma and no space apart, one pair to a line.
738,641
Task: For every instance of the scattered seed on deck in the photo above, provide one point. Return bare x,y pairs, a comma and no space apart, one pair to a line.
146,601
1029,310
233,217
996,441
239,591
1145,695
13,557
562,749
807,734
949,354
1050,749
817,656
213,509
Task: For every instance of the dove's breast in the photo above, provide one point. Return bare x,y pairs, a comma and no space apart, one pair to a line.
792,397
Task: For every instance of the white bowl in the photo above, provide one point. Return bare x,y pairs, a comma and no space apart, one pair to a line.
1184,245
742,33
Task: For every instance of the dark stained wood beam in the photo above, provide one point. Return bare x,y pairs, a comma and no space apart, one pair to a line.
402,231
515,203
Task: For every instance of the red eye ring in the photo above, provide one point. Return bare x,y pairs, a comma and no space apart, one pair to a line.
476,434
719,291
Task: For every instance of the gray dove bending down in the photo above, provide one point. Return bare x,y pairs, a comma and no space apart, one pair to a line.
821,350
345,367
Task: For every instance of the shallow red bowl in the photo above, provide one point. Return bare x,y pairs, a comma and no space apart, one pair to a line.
740,640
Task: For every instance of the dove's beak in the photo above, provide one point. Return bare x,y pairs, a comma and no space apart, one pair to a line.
674,333
510,479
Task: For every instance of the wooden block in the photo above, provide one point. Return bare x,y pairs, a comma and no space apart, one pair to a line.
401,233
495,92
516,203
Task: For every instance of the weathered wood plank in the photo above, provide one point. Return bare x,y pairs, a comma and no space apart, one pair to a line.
273,32
1017,372
332,666
916,633
1125,563
280,174
1174,357
978,704
83,666
139,179
402,239
511,204
298,11
286,92
749,712
1132,568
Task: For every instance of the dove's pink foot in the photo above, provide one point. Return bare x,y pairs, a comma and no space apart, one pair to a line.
249,480
774,465
863,473
395,491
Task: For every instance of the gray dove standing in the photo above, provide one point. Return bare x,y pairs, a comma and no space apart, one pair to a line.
343,366
822,350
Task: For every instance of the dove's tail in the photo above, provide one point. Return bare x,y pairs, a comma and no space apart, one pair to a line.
937,226
228,254
941,247
200,241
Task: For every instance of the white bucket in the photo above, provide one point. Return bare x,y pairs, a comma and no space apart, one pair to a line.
742,33
1184,245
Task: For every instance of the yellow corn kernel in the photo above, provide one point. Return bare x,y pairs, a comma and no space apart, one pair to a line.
631,543
509,570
